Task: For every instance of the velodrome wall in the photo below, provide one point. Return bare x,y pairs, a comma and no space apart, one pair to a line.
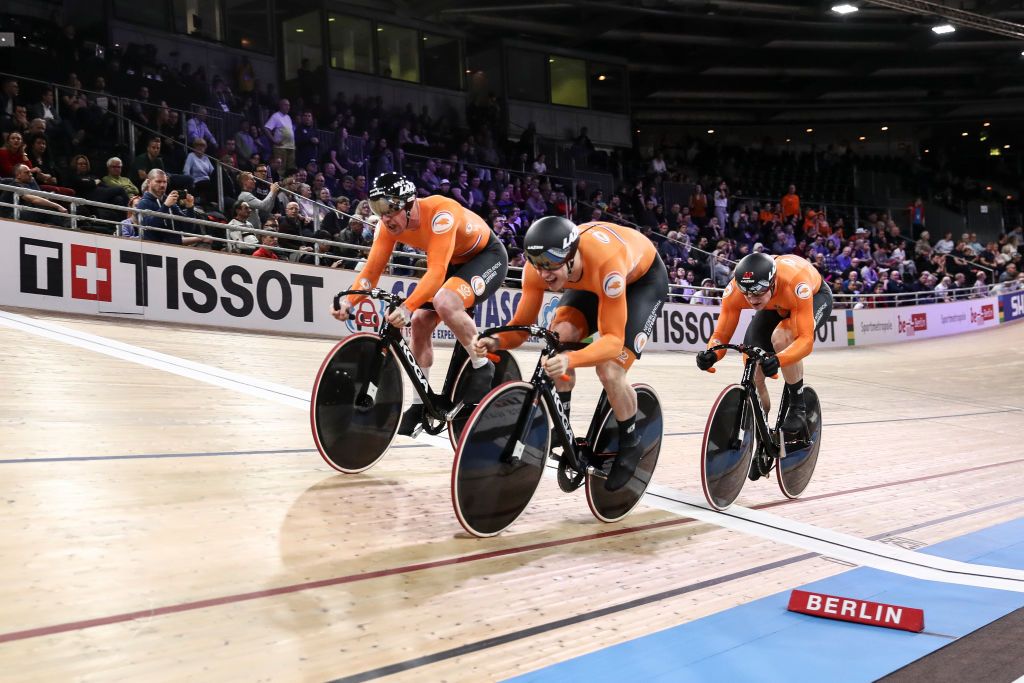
77,272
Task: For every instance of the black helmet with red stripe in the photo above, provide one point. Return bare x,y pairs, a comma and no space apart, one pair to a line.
755,274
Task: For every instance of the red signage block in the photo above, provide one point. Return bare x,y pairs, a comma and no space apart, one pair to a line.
857,611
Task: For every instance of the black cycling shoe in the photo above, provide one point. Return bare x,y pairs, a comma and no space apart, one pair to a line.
411,419
796,418
478,383
624,466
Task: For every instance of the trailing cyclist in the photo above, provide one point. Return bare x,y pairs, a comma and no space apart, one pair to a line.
466,263
617,285
791,301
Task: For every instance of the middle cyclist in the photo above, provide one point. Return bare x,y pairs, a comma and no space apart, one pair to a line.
466,263
618,284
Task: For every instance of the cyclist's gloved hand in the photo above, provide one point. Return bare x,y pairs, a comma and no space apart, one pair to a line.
770,365
706,359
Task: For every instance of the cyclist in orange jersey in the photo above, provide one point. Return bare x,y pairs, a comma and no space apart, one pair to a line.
466,263
616,285
791,301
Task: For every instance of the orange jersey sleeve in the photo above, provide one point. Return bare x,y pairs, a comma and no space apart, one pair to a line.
527,310
733,303
612,257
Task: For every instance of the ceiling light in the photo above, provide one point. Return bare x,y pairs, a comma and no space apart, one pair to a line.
787,140
944,29
602,77
844,9
885,127
331,19
926,151
300,30
1006,147
986,124
469,71
988,188
964,134
809,130
711,131
862,138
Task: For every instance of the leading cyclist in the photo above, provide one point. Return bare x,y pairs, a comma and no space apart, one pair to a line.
791,301
466,263
617,285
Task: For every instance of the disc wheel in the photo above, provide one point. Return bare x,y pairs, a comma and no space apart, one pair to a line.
727,448
354,416
611,506
496,472
796,469
505,370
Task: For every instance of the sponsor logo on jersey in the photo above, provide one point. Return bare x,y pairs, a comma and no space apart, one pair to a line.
465,291
601,237
728,290
614,284
803,291
363,284
442,222
478,285
639,342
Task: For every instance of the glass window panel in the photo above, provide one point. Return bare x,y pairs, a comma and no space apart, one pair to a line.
199,18
302,41
527,76
247,23
442,61
608,88
351,43
146,13
568,81
398,54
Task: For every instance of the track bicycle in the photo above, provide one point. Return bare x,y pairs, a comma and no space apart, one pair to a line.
737,419
357,396
505,445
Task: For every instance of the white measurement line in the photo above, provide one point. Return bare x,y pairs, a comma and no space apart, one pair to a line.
754,522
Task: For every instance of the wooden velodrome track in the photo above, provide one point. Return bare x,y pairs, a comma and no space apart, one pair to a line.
159,527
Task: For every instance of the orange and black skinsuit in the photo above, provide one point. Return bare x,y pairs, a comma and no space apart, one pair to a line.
463,254
621,289
801,302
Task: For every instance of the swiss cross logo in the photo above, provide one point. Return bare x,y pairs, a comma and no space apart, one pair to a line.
90,273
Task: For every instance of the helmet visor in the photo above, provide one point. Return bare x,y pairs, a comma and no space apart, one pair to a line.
753,287
546,260
384,206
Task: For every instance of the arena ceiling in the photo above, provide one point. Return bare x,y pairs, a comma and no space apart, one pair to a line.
760,62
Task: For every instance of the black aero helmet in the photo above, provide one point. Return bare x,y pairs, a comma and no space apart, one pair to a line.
391,192
755,273
550,242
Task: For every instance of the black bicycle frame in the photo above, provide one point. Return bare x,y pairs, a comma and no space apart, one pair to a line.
391,337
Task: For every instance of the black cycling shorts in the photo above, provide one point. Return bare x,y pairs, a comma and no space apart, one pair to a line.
480,277
644,299
759,333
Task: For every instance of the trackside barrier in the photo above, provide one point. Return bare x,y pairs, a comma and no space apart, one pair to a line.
52,269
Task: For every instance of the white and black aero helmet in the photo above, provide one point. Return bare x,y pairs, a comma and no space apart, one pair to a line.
391,192
550,242
755,273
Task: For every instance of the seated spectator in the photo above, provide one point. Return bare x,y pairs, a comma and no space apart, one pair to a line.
293,224
239,238
337,220
23,178
129,227
12,154
88,185
114,178
945,245
268,245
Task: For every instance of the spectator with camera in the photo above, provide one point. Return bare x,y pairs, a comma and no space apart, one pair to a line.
166,229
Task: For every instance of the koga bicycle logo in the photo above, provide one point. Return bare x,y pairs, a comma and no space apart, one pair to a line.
803,291
560,409
442,223
614,284
407,352
918,323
